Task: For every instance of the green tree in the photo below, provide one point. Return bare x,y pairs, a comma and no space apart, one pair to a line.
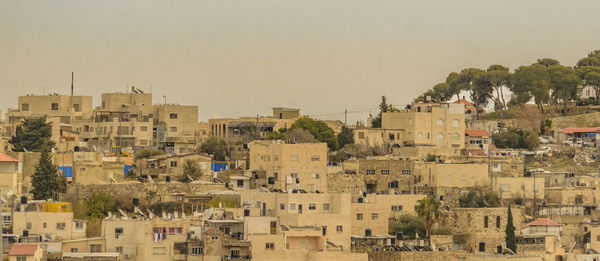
531,81
346,136
99,204
547,62
563,82
479,91
32,134
383,107
409,225
440,92
516,139
511,240
588,70
319,130
46,181
298,135
215,146
479,199
191,169
497,77
147,153
428,209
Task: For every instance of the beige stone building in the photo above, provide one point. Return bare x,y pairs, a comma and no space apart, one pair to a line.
8,175
26,252
230,128
176,127
173,165
429,124
146,239
371,214
53,221
457,175
387,176
331,211
481,229
64,107
291,166
84,245
519,187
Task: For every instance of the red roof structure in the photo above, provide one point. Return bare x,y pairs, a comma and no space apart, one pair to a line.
23,250
543,222
6,158
468,105
477,133
579,130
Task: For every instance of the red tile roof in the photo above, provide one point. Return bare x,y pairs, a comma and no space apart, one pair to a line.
6,158
463,101
579,130
542,222
477,133
23,250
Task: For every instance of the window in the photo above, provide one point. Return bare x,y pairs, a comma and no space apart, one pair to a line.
294,175
78,225
420,135
76,107
25,106
385,172
196,251
96,248
240,183
339,228
293,157
485,221
455,123
406,172
119,249
159,251
143,142
60,226
173,163
257,204
282,206
275,157
455,136
173,129
293,206
374,216
44,225
397,208
359,216
54,106
269,246
173,116
175,230
439,136
312,206
315,158
361,135
119,230
316,176
21,258
28,225
6,218
497,221
370,172
326,206
74,250
410,121
439,122
143,128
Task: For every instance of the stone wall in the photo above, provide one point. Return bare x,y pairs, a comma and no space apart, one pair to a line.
582,120
413,256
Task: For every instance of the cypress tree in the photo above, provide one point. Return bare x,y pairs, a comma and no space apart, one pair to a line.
511,240
46,180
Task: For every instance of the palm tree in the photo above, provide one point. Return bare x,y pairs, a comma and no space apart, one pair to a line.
429,210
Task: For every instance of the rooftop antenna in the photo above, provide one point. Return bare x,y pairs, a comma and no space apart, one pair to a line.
72,78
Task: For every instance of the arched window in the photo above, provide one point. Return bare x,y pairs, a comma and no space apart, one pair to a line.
455,136
410,135
439,122
485,221
420,136
439,136
410,121
455,123
497,221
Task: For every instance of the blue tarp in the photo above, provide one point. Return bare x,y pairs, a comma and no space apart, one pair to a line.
218,166
68,171
126,169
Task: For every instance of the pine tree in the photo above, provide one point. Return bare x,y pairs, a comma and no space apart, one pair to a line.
511,240
46,180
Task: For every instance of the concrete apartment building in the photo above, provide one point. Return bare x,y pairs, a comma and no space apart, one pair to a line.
332,212
51,220
8,175
233,128
429,124
291,166
387,176
146,239
175,127
371,214
456,175
65,107
519,187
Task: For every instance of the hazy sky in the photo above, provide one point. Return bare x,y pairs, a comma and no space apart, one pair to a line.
240,58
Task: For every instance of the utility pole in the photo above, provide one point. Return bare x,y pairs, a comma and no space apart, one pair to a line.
72,78
345,116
